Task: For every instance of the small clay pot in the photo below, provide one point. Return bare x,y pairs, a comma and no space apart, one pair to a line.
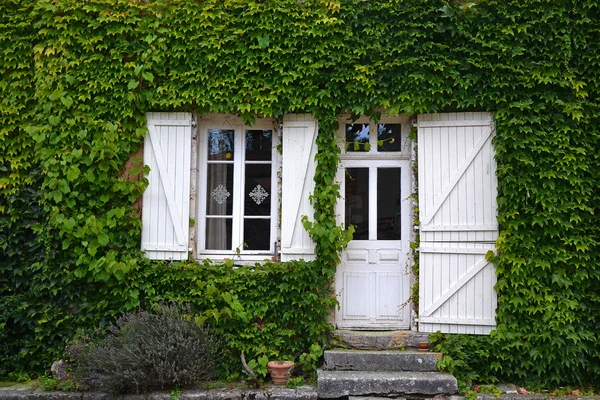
278,371
423,346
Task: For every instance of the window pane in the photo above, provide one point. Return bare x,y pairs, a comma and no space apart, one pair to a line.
219,196
258,145
220,144
357,201
388,203
357,135
218,233
258,189
391,135
257,234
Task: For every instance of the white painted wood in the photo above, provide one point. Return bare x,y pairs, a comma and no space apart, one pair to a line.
194,190
298,170
165,207
373,280
457,210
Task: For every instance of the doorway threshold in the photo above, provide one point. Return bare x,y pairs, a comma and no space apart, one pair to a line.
378,340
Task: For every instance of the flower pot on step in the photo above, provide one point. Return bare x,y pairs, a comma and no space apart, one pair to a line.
278,371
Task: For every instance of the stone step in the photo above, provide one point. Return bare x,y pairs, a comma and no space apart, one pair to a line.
336,384
380,360
380,340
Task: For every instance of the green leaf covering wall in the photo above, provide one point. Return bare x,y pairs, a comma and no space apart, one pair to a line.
77,79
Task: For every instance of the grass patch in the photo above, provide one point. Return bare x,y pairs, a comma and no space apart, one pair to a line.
15,385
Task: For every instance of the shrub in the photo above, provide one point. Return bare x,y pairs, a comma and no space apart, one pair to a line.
144,351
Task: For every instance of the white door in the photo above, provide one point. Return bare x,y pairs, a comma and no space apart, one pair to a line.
373,280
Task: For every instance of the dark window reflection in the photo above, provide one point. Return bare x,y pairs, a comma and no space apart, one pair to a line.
388,203
357,201
259,144
389,137
257,234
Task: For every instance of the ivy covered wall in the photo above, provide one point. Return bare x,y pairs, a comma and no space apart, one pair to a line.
77,79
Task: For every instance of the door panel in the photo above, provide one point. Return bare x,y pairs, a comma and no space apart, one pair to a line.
356,307
389,296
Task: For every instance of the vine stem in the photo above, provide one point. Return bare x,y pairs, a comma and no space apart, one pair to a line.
249,371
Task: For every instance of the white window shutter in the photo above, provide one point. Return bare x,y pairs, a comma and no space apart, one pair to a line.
298,170
166,201
457,211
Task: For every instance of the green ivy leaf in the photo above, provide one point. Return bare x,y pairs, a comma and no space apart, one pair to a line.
263,41
133,84
67,101
148,76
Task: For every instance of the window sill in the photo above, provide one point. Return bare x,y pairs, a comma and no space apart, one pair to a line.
242,259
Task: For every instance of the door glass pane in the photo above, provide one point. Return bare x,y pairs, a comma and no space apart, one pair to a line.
357,201
388,203
259,144
218,233
220,144
257,234
258,189
219,196
357,136
390,137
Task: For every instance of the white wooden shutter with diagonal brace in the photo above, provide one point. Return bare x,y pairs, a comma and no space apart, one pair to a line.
166,201
457,210
298,171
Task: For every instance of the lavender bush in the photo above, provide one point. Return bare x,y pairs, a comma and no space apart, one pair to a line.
145,351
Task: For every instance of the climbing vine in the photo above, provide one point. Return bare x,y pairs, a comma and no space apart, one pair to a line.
77,79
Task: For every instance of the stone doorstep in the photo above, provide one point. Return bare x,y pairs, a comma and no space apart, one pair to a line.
336,384
380,360
270,393
437,397
380,340
480,397
534,397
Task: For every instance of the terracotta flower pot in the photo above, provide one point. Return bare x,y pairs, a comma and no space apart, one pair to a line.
278,371
423,346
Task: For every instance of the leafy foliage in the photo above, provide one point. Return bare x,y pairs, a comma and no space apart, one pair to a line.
273,311
144,351
77,80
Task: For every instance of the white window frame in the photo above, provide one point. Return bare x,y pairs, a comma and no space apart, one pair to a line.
237,252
